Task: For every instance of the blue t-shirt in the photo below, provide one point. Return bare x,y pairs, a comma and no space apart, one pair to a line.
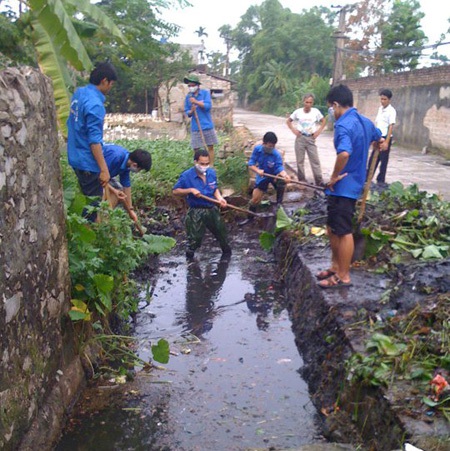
271,163
204,114
353,133
85,127
191,179
116,158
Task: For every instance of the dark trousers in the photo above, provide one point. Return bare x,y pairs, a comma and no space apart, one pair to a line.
383,160
200,219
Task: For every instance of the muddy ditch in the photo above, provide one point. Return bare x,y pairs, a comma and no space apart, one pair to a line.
331,326
232,381
208,397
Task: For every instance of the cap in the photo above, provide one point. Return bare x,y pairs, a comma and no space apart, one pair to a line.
192,79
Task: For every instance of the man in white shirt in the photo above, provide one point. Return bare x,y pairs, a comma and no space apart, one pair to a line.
385,121
307,124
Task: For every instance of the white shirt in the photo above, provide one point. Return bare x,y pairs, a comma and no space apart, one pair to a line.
307,123
385,118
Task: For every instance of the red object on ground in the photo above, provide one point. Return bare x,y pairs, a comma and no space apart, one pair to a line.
438,384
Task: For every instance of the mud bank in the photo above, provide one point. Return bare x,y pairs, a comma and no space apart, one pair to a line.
324,324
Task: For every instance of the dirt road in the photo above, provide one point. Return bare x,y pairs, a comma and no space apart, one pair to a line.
430,172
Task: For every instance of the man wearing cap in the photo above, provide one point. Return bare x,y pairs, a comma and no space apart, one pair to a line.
197,106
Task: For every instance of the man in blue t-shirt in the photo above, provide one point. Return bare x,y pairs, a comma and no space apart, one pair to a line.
197,106
265,159
353,135
200,180
120,163
85,131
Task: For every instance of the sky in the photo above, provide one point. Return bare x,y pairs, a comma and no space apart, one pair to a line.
212,14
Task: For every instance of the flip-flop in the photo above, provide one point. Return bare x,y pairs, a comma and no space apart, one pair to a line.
322,275
334,282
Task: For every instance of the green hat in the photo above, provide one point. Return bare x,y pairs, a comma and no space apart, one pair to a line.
192,79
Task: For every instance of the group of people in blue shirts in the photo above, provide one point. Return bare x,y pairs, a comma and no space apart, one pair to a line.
95,164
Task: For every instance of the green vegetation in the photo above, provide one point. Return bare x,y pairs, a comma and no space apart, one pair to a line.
405,222
408,347
102,255
276,64
169,159
400,224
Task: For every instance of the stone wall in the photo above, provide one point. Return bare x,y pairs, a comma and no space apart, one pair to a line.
36,361
422,100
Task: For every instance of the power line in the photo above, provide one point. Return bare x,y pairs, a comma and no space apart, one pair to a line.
403,50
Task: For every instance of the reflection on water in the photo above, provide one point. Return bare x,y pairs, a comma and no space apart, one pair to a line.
235,387
202,291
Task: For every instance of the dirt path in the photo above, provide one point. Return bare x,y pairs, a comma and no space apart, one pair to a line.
408,166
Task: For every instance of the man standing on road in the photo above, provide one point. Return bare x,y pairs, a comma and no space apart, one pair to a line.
85,131
385,121
353,134
197,106
307,124
201,180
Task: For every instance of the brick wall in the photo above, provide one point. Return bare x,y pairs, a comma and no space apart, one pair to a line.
422,100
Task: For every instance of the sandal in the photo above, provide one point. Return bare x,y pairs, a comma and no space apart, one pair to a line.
322,275
334,282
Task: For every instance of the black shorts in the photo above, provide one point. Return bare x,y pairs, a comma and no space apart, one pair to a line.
263,185
340,214
89,182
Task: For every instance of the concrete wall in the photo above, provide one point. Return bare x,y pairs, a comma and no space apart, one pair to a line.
422,100
35,351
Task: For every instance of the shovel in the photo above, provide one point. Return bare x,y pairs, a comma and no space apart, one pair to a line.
296,182
107,189
242,210
358,238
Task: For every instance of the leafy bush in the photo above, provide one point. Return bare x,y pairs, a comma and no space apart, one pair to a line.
101,255
233,172
169,159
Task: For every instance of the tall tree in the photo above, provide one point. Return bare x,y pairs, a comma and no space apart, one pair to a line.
402,37
57,29
303,44
141,65
201,32
386,36
225,34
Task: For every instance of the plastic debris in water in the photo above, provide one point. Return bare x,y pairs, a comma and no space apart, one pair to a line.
438,385
409,447
279,361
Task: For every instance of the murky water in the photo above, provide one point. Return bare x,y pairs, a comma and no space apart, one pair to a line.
232,382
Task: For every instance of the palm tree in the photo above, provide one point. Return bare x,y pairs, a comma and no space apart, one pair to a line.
200,33
278,81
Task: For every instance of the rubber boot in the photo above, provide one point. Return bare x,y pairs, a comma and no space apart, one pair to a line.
280,193
249,217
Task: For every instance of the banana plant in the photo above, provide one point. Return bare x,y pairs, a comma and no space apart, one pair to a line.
58,44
